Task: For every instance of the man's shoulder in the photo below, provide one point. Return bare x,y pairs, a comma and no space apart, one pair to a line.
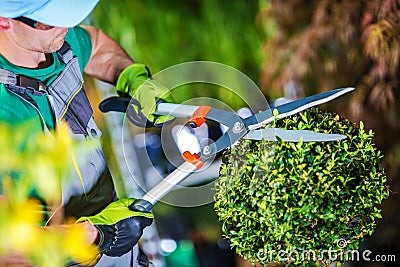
81,45
78,38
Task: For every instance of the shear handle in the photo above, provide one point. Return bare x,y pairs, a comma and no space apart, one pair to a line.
114,103
121,104
237,126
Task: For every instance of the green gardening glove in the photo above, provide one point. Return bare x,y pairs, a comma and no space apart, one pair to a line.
119,227
135,81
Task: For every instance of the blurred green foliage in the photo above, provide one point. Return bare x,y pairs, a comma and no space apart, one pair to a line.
161,34
50,157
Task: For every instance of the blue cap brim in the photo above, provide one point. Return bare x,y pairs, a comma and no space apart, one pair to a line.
62,13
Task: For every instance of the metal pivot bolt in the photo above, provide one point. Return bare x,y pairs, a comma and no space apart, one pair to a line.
207,150
238,127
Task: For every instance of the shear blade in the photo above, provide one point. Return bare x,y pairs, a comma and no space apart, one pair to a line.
274,134
291,108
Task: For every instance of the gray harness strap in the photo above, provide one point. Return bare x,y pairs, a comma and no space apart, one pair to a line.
89,188
69,99
7,77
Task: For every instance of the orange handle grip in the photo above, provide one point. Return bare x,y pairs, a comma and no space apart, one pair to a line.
199,116
193,158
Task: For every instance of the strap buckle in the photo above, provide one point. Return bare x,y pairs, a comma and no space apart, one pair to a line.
33,86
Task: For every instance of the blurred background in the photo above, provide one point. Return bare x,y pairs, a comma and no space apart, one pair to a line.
290,49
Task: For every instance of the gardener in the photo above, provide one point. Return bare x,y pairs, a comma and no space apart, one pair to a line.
42,57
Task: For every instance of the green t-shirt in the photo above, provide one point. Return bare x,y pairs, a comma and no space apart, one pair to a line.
14,110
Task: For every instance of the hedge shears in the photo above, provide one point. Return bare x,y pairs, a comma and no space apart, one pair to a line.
237,128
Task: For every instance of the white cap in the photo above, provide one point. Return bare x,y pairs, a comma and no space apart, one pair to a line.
61,13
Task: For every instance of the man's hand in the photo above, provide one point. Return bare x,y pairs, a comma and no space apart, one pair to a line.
119,227
135,81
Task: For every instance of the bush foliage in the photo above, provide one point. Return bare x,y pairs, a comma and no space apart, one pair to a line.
296,197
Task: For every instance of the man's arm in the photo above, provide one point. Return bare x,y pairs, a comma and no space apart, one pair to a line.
108,59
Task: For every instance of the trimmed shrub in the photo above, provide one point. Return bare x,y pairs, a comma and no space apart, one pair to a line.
301,204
